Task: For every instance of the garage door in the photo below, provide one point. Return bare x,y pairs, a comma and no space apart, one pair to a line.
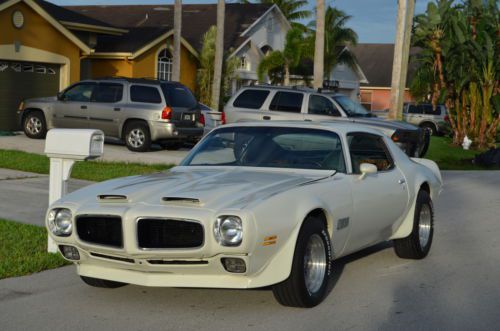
23,80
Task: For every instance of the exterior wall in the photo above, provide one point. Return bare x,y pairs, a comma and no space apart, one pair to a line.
381,97
271,30
39,34
146,64
106,68
348,80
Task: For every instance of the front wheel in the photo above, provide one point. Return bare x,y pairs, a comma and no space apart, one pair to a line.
103,283
418,244
311,268
34,125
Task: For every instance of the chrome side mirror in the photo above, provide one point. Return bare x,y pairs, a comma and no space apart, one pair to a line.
367,169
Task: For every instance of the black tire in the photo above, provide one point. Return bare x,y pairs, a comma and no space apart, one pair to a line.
34,125
412,247
137,136
103,283
293,291
431,127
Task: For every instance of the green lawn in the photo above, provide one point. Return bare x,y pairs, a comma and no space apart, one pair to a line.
23,250
90,170
450,157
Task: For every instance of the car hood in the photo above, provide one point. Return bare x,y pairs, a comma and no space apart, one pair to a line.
228,187
383,123
45,99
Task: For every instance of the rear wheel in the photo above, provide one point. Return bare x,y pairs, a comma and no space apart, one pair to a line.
418,244
34,125
311,268
137,137
430,127
103,283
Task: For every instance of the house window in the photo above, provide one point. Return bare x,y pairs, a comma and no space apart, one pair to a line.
266,49
164,65
244,64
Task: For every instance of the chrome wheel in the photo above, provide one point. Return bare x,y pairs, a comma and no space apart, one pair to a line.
136,138
424,225
314,263
34,125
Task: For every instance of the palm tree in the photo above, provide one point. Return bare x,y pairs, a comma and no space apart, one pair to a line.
337,36
319,44
176,70
281,61
292,9
219,54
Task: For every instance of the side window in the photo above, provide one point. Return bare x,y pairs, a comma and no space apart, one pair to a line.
289,102
319,105
368,148
147,94
108,93
413,109
80,93
252,99
428,110
179,96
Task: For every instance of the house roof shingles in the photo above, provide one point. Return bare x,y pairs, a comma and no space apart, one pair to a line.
147,22
376,62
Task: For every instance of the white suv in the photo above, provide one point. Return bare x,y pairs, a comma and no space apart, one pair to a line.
259,103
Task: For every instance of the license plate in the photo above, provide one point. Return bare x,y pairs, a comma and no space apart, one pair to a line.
187,117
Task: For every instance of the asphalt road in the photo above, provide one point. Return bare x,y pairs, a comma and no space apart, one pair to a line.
455,288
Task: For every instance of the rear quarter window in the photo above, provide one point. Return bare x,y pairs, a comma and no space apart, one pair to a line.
252,99
146,94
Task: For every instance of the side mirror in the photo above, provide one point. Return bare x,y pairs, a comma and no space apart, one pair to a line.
367,169
60,96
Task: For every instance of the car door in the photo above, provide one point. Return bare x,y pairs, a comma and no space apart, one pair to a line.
414,115
320,108
247,106
379,200
72,108
106,107
286,106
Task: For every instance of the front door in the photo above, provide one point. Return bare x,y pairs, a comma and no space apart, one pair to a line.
320,108
72,108
379,200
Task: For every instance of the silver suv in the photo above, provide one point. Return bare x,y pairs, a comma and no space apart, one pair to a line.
426,116
139,111
259,103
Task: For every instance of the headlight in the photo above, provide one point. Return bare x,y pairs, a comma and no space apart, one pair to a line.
228,230
60,222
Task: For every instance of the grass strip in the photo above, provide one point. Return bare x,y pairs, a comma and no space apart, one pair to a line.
91,170
23,250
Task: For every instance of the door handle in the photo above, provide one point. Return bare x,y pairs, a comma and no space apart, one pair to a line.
83,107
117,109
401,181
266,117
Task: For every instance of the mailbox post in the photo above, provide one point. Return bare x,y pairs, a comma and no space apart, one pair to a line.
64,147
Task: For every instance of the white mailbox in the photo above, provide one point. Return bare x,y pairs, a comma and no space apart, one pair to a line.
64,147
75,144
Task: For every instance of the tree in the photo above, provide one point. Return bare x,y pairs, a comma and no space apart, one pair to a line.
337,36
319,44
459,65
279,62
219,54
292,9
206,69
176,70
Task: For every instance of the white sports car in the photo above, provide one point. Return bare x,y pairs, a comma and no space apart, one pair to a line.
252,205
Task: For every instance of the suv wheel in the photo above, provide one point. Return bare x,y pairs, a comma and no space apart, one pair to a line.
431,128
137,137
34,125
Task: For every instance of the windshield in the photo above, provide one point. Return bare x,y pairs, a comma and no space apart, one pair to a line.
352,109
274,147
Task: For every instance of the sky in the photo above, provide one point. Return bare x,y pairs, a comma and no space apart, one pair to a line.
373,20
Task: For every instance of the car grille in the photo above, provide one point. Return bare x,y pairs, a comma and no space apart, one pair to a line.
101,230
169,233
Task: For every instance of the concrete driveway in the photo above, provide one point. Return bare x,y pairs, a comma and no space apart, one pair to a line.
114,150
455,288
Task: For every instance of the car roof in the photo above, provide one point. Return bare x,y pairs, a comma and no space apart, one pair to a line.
336,126
304,89
151,81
